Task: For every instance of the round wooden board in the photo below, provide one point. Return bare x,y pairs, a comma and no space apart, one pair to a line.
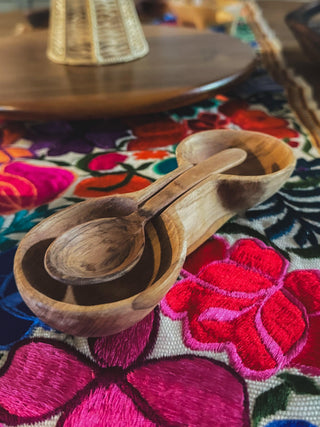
183,66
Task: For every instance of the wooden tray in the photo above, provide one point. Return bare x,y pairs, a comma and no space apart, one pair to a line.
184,66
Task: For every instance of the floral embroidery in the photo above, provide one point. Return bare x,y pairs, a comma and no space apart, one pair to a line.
150,154
22,189
106,161
244,304
8,136
121,387
207,121
256,120
79,136
277,398
16,225
8,154
117,183
13,310
165,166
295,207
290,423
11,132
156,131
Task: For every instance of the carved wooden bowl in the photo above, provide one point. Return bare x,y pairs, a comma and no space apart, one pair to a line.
107,308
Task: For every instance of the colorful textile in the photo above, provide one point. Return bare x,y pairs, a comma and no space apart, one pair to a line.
235,342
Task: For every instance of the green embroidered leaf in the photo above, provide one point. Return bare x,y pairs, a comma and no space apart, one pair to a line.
144,166
84,161
270,402
300,384
307,253
74,199
307,146
59,163
303,183
123,144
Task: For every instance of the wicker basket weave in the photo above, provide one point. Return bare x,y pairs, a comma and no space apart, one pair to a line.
93,32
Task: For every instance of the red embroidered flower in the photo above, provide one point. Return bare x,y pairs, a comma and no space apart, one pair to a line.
156,131
24,186
207,121
240,305
305,286
120,387
256,120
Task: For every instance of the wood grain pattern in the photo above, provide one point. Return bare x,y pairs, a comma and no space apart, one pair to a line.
268,165
183,66
107,308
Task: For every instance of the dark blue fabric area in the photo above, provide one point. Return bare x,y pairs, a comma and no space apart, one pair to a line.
16,320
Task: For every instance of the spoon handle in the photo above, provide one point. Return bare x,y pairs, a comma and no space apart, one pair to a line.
217,163
148,192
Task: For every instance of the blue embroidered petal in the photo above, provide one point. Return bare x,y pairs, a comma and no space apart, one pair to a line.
16,319
290,423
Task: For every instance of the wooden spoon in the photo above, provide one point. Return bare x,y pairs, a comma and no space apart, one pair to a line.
106,248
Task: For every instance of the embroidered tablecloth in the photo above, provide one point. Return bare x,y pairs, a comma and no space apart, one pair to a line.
235,342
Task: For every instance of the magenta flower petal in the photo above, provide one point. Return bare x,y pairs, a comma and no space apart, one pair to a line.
39,378
124,348
49,181
192,391
107,407
106,161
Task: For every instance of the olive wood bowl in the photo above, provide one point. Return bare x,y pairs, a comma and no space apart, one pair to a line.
107,308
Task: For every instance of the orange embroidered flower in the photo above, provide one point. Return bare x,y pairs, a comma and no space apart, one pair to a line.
10,153
110,184
150,154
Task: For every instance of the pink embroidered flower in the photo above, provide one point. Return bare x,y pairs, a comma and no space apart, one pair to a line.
42,378
243,304
106,161
24,186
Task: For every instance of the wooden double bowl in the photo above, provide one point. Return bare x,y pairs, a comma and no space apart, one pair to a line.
109,307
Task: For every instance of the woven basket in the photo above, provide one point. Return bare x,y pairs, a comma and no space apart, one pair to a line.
94,32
